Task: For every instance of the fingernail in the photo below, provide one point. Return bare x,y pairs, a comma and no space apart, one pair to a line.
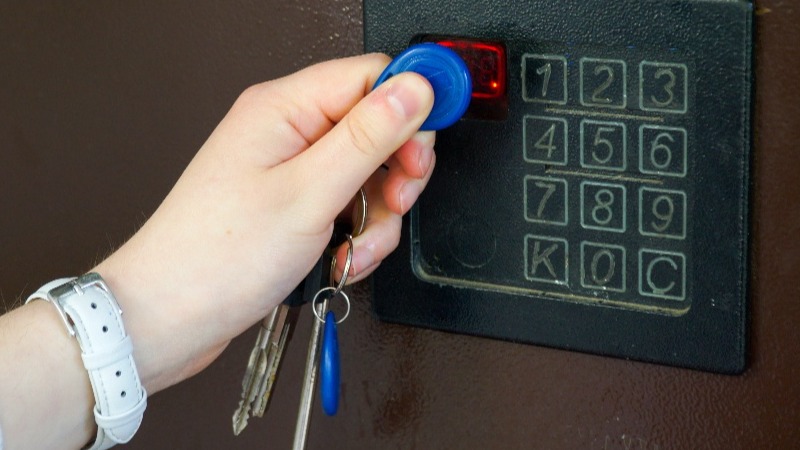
408,195
425,158
406,95
363,258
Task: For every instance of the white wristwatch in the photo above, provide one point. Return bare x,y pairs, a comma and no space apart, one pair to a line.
93,317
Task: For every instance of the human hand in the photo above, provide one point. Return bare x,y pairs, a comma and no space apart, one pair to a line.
254,209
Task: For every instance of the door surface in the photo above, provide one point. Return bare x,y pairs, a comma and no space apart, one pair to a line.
102,104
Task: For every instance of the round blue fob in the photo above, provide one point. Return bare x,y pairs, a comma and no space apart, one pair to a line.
445,71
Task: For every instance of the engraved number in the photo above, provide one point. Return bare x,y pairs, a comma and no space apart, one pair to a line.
598,141
664,216
545,70
602,213
601,281
661,153
551,187
668,87
546,141
596,95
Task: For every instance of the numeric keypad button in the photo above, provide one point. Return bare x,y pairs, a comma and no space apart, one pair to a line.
603,206
603,83
603,266
544,79
546,200
662,213
663,87
603,145
545,140
662,150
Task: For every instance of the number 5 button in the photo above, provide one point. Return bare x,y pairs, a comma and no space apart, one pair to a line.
603,145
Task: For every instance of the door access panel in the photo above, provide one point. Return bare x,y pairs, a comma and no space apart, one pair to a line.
595,196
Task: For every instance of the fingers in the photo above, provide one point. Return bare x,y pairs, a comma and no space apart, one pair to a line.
409,170
380,237
281,118
342,160
391,193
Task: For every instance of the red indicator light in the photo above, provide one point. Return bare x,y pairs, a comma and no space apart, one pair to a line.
487,65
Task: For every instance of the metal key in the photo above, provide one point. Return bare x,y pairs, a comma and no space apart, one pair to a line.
277,343
267,353
309,381
312,359
259,375
266,356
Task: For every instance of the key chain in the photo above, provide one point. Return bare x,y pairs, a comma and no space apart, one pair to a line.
452,90
452,85
329,367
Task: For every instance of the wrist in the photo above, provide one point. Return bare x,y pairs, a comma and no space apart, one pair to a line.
93,318
169,347
63,396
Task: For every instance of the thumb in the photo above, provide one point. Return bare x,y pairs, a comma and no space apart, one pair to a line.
340,162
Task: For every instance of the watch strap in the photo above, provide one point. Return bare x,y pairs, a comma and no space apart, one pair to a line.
92,315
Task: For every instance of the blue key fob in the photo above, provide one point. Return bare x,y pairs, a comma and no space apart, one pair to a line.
329,366
445,71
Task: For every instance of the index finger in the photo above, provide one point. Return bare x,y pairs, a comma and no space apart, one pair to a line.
316,98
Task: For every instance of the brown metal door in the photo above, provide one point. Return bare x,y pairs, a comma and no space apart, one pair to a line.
101,106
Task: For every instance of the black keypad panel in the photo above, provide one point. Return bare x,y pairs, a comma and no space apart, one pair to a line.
606,210
603,168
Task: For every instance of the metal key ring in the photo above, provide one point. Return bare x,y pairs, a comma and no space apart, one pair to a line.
345,271
362,218
328,289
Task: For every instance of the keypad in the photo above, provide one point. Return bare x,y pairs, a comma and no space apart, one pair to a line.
602,174
602,203
605,177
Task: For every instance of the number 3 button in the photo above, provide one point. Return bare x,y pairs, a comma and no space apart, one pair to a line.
663,87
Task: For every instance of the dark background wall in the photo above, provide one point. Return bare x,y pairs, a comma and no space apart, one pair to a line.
102,104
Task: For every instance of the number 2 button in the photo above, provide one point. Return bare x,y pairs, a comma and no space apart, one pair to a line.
603,83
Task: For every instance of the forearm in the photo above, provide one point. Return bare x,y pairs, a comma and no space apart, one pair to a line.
45,397
238,232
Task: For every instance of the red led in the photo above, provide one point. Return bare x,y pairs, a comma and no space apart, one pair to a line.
487,65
